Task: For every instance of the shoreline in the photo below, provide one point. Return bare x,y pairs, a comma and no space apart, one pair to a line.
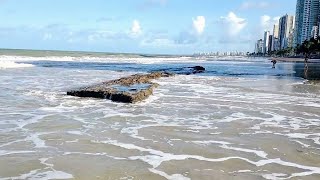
296,60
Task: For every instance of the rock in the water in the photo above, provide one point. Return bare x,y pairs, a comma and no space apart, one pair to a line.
130,89
185,70
194,70
199,68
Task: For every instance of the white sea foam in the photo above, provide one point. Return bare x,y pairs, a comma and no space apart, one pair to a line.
36,140
36,175
156,158
95,154
169,177
13,65
225,145
75,132
6,153
115,59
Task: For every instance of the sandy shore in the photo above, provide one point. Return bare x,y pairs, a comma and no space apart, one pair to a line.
284,59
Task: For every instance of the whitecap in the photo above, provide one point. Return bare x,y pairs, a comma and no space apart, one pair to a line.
13,65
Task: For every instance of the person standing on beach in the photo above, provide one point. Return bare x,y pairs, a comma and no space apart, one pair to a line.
274,62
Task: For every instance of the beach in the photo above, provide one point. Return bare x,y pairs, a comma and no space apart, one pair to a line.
285,59
240,119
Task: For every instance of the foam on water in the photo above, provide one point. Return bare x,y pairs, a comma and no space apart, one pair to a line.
36,175
111,59
157,158
224,145
12,65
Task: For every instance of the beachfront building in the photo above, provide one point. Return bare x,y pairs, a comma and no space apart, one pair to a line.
307,16
259,47
270,43
266,42
286,31
291,39
275,38
315,32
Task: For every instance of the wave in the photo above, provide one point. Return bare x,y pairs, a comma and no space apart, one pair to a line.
12,64
112,59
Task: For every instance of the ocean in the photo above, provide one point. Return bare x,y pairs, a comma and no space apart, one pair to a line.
240,119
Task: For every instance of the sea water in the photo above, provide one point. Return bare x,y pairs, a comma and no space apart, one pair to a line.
240,119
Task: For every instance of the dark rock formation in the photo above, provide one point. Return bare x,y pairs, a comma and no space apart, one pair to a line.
185,70
197,69
130,89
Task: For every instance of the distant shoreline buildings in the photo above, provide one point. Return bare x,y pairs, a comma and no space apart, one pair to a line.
218,53
292,30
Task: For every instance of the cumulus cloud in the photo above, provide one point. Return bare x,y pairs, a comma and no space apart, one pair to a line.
233,23
246,5
199,24
136,28
267,22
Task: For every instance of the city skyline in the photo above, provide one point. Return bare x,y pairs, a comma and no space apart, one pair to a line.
292,30
142,26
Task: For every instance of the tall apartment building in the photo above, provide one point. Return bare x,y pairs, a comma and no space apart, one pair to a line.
275,38
286,31
266,42
315,32
270,43
276,31
259,47
307,16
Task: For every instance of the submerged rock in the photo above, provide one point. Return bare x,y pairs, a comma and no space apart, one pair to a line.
130,89
198,69
185,70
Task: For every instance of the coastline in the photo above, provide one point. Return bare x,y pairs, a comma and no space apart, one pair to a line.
297,60
284,59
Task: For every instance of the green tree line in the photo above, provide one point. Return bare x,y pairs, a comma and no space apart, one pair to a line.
307,49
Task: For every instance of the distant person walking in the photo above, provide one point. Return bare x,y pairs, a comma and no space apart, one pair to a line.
274,62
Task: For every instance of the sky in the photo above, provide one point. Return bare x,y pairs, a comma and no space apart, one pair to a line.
139,26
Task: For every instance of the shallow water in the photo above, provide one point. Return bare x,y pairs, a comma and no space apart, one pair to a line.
240,120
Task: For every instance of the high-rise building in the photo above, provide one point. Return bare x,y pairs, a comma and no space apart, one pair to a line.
315,32
266,42
276,31
259,47
275,44
307,16
275,40
286,27
270,43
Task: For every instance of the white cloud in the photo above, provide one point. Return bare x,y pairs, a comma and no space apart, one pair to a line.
267,22
136,28
234,24
254,5
276,19
199,24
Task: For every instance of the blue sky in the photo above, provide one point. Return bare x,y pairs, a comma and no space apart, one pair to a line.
138,26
